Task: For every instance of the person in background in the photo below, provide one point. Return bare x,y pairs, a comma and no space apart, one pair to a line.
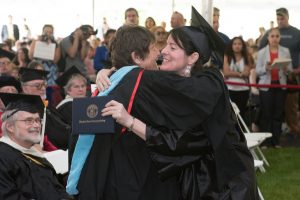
22,59
49,65
262,32
102,58
150,23
36,65
25,173
236,68
74,85
216,17
8,84
272,99
290,38
216,25
160,37
131,17
177,20
10,30
75,48
6,64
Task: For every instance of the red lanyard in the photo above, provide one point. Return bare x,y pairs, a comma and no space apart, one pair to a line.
133,95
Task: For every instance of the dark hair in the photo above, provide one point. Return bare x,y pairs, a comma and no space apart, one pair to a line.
130,39
230,54
26,53
48,26
183,40
109,31
34,64
131,9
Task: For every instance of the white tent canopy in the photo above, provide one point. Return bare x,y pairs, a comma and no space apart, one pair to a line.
237,17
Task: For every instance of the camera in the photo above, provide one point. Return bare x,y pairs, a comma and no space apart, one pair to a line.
85,30
46,38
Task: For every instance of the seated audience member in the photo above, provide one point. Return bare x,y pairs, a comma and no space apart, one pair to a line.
8,84
5,62
74,84
24,172
33,82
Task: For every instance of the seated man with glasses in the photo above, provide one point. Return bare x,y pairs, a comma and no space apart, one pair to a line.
33,82
24,172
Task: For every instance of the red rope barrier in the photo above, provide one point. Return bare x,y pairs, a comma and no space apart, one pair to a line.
263,85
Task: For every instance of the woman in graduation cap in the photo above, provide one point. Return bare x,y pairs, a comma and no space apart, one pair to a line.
187,122
74,84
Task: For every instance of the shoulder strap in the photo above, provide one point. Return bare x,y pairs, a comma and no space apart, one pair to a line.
133,95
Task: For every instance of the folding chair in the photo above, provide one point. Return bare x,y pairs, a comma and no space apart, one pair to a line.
258,164
253,136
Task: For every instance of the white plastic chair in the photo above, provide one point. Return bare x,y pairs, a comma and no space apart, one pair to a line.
258,137
59,160
258,164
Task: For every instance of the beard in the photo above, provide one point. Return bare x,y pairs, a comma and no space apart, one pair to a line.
33,136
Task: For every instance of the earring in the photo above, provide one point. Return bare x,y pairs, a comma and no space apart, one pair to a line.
187,71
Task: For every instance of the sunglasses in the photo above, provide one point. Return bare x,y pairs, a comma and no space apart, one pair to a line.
272,36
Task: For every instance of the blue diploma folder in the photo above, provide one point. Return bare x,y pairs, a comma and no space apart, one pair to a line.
86,116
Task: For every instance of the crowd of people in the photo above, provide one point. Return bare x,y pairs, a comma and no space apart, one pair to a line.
181,138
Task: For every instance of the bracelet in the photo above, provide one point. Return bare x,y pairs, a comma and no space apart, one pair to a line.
131,125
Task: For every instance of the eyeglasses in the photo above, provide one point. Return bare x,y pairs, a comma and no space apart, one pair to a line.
160,33
30,121
37,85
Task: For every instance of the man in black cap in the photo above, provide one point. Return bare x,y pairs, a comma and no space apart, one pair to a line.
24,172
33,81
290,38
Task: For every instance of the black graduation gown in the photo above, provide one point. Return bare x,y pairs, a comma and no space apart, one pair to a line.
119,166
58,126
197,138
23,179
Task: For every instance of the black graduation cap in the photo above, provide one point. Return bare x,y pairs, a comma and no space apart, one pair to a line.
27,74
216,43
64,78
10,81
22,102
8,54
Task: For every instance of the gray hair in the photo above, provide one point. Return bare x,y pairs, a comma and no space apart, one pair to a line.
7,118
70,81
